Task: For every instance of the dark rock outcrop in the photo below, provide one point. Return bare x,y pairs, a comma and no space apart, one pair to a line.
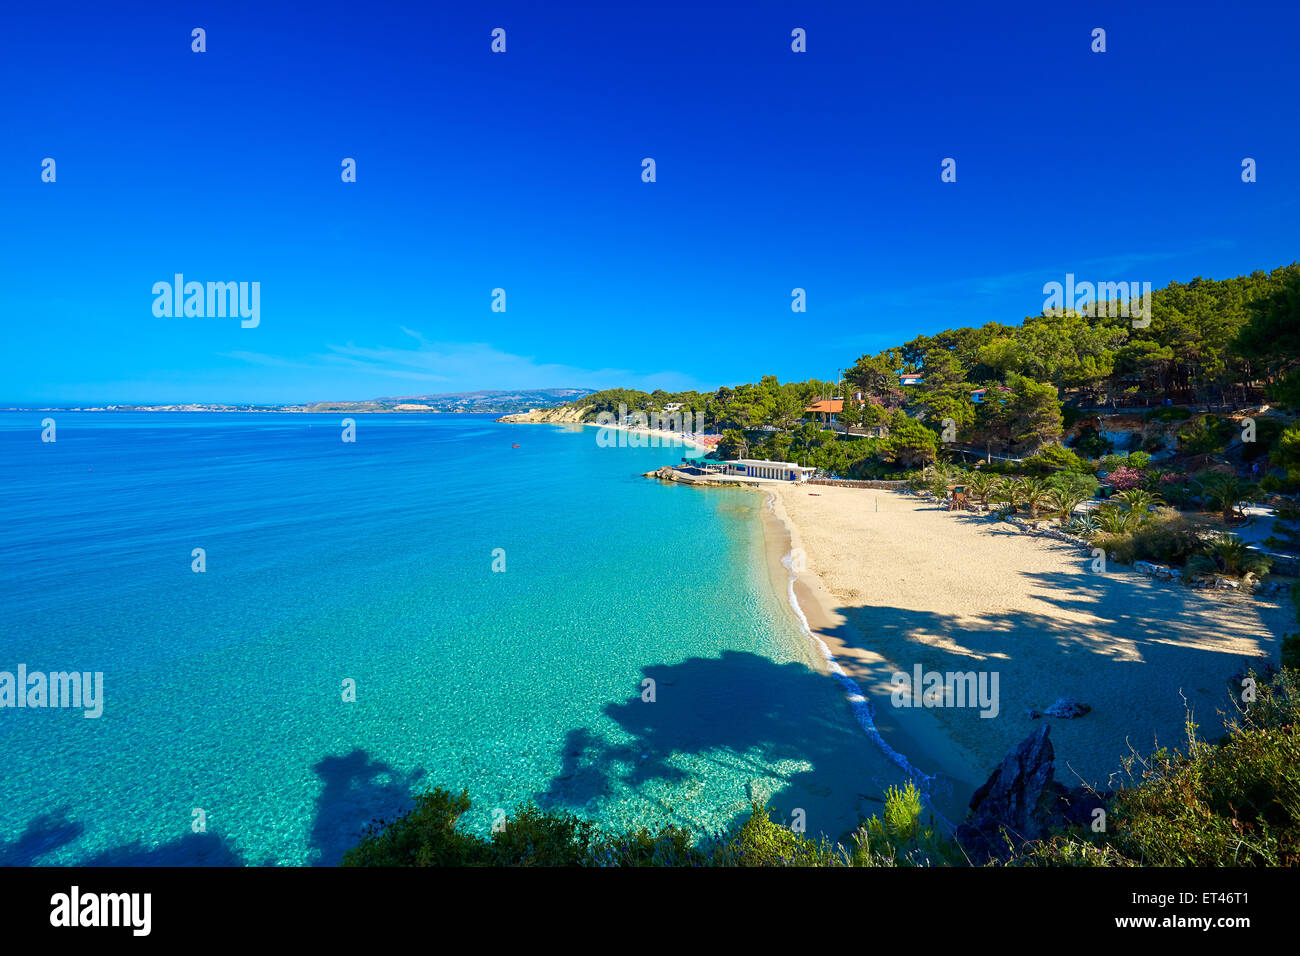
1067,708
1021,801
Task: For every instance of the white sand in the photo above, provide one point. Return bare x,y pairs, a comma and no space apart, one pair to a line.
909,583
637,437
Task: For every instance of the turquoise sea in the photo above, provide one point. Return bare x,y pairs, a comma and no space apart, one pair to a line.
372,562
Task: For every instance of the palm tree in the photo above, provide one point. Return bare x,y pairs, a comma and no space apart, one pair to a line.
1007,490
1114,519
1062,502
939,475
1033,492
1238,558
983,484
1226,492
1139,502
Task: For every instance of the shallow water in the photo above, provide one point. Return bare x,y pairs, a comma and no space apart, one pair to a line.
373,562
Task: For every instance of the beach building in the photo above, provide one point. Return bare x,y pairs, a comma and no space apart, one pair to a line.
827,408
776,470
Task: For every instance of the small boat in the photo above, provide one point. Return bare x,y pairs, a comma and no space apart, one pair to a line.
514,446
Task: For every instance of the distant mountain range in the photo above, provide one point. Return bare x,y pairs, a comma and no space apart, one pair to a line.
490,400
484,401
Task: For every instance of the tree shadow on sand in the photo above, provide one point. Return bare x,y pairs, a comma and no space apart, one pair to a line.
1140,651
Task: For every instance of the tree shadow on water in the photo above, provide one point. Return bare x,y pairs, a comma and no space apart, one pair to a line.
43,834
53,831
783,732
356,790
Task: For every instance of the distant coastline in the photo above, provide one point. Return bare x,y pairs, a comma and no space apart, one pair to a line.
483,402
653,437
268,409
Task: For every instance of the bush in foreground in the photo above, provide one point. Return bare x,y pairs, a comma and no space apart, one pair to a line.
1231,803
1236,803
429,835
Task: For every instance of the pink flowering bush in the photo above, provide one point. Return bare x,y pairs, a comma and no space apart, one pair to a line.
1122,479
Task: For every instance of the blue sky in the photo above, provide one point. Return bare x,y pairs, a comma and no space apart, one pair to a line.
522,171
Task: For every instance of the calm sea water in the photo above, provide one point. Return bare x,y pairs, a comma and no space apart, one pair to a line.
372,562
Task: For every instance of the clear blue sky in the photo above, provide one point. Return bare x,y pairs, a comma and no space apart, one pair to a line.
523,171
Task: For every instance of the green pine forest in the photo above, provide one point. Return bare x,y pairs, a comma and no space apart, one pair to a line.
1212,346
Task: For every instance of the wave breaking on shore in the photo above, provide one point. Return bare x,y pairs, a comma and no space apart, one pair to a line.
863,710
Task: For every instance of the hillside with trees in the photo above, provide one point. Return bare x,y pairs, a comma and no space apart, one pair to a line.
1211,347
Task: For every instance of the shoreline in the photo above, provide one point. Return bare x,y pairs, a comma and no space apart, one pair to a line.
654,437
912,740
658,438
906,585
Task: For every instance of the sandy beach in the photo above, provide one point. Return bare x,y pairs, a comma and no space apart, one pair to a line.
892,581
655,437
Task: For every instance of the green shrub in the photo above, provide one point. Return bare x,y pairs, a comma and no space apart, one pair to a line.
1267,433
1138,460
1236,803
1133,460
1164,536
1233,805
1291,651
1052,458
761,842
1092,443
1201,564
1237,558
426,836
1169,413
1074,483
1287,484
1206,435
898,838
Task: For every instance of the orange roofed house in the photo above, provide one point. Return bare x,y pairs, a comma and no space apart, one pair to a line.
827,408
